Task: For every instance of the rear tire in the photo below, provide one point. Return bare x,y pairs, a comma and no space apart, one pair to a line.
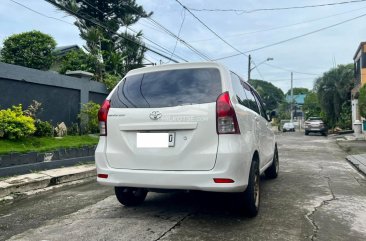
272,171
248,201
306,133
130,196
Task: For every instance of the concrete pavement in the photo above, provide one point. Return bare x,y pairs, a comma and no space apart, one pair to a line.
317,196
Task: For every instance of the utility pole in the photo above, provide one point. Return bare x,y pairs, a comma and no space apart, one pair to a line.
292,98
249,66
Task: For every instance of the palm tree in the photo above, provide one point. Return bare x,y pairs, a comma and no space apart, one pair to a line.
334,89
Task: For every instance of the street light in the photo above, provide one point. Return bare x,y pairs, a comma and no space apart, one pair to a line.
250,62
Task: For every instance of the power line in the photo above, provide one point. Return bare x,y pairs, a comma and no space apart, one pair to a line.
293,38
282,26
212,31
293,79
289,70
107,29
166,50
160,46
167,31
217,35
44,15
180,29
159,25
242,11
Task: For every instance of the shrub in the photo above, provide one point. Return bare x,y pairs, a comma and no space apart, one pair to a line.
89,118
14,124
30,49
73,129
345,117
111,81
43,128
362,101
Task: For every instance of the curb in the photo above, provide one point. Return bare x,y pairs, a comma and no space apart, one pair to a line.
18,186
355,161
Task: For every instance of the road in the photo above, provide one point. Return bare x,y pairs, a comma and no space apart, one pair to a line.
317,196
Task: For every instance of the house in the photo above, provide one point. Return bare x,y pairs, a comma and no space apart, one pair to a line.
298,103
359,80
59,52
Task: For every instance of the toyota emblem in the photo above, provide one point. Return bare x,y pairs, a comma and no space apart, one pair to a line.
155,115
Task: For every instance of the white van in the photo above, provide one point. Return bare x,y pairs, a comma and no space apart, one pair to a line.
191,126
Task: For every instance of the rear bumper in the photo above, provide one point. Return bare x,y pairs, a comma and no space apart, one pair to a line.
314,129
228,165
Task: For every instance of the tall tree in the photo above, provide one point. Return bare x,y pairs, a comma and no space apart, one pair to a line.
311,105
100,23
30,49
271,95
334,89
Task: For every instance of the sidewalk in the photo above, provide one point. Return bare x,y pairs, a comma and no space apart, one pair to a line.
359,161
356,150
24,185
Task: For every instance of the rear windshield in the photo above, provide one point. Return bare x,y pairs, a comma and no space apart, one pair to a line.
314,119
168,88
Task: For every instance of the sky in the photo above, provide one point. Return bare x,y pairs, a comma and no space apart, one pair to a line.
308,57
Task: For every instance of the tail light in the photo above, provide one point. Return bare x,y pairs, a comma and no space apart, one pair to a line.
102,117
223,180
103,175
226,121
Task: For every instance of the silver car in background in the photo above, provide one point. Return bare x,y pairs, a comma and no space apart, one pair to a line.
316,125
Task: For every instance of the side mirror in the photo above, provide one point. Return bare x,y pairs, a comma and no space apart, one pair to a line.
271,115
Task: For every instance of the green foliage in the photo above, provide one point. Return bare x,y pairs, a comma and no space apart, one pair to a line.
298,91
30,49
14,124
111,81
118,53
345,118
362,101
73,129
284,111
43,128
311,105
89,118
270,94
77,60
333,90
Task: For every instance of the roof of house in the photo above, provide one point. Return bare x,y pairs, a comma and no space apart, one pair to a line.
358,49
298,99
63,50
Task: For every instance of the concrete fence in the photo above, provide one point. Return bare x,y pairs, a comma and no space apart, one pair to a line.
61,95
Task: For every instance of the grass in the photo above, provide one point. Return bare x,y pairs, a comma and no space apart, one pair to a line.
41,144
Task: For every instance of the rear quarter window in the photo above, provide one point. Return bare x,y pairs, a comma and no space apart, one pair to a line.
168,88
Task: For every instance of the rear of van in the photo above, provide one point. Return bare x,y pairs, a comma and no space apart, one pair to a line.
171,127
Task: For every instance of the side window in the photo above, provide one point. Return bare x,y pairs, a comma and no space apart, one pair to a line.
260,104
238,88
251,102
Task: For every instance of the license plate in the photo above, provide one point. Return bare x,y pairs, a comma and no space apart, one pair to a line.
155,140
